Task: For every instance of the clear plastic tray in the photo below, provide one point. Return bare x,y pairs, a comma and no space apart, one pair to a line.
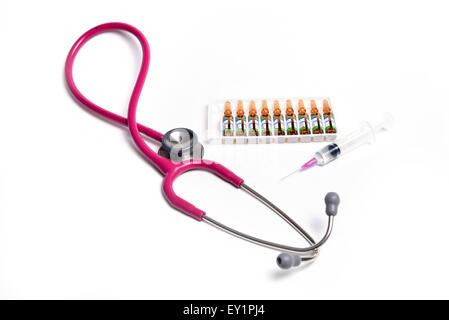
215,128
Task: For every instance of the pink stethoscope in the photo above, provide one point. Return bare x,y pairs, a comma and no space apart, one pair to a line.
290,256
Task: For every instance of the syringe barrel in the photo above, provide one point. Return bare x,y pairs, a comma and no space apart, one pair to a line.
365,134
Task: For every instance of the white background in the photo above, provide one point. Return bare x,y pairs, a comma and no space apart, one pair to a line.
82,214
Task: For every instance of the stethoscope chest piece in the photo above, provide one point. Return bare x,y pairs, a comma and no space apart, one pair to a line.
181,144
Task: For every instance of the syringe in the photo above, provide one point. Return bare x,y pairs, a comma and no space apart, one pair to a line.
365,134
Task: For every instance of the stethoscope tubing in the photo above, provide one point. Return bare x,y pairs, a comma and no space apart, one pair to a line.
162,164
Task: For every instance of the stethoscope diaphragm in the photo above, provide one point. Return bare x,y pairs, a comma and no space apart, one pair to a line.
181,144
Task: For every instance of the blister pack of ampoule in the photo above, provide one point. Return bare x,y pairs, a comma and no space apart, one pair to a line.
290,120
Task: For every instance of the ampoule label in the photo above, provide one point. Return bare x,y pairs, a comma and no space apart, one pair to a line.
317,122
329,122
253,126
292,124
228,126
266,125
240,127
279,125
304,123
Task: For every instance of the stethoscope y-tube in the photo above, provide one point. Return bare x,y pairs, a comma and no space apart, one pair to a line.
290,256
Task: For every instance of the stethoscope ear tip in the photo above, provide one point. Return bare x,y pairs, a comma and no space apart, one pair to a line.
287,260
332,201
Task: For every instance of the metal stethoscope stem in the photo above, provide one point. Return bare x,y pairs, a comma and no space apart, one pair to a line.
307,253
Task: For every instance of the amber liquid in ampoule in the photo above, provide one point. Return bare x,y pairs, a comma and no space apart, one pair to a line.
228,120
265,120
240,120
303,118
329,121
317,122
278,120
290,119
253,120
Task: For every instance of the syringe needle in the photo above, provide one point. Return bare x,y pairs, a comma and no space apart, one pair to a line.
309,164
297,170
